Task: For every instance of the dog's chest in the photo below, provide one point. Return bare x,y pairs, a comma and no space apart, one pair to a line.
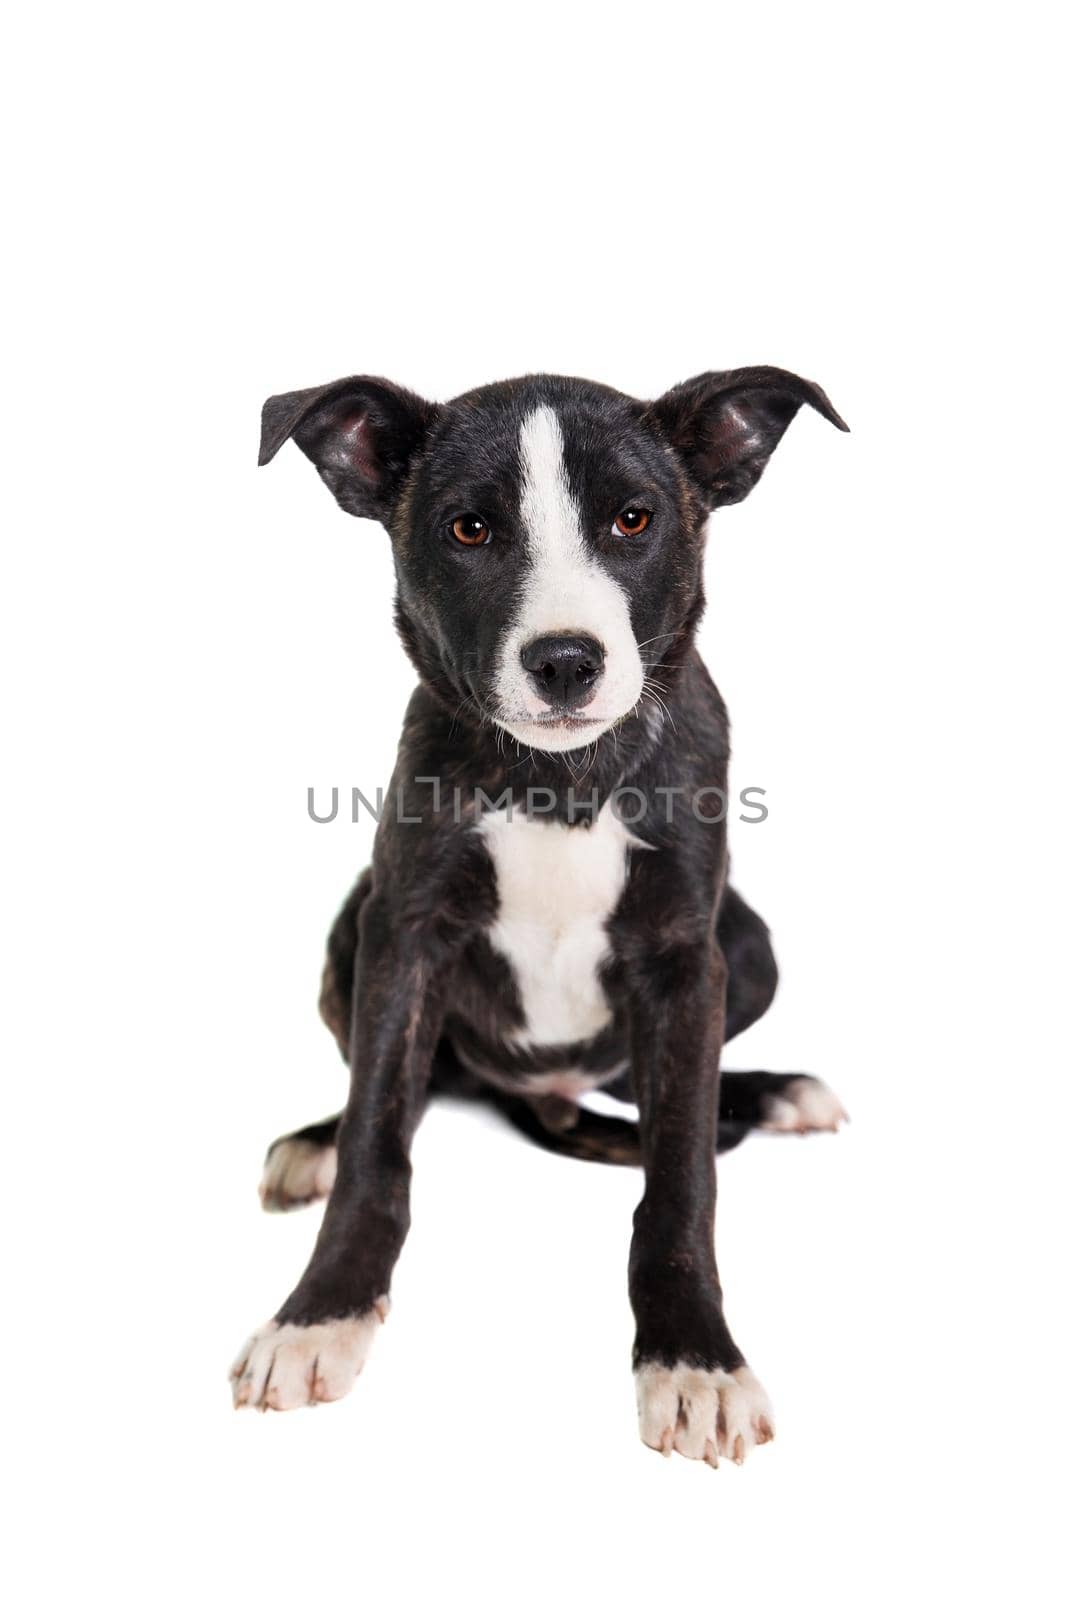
557,887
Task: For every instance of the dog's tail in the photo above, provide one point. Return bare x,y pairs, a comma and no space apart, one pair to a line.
589,1137
615,1141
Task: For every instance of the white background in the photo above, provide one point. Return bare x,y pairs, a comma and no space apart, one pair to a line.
213,204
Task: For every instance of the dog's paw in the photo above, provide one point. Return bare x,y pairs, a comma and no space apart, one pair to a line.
296,1172
285,1365
703,1415
803,1105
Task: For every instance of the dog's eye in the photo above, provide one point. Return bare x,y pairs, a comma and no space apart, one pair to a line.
628,524
470,529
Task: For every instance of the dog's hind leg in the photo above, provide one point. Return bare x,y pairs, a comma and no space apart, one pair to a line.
776,1102
300,1167
335,993
752,972
752,976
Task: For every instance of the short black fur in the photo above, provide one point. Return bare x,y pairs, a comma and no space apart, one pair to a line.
415,991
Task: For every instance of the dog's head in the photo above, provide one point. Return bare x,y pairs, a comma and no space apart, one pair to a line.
548,532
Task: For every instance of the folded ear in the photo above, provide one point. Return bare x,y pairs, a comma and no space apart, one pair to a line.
725,425
361,433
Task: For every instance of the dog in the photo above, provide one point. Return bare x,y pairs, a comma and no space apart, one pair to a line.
548,908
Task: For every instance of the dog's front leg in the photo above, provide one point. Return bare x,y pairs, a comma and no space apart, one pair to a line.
315,1346
694,1392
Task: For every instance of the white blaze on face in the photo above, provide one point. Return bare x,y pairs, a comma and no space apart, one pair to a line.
566,590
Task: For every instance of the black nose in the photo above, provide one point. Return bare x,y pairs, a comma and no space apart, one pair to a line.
564,667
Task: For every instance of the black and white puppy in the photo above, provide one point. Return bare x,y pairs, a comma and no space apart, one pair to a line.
558,915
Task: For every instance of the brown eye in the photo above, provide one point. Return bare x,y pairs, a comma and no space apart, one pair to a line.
470,529
628,524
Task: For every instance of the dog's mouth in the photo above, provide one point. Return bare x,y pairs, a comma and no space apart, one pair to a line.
555,730
562,719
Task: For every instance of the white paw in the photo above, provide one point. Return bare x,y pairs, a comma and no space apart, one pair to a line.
702,1415
296,1172
286,1366
804,1106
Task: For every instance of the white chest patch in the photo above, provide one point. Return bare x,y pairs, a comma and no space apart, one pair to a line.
557,888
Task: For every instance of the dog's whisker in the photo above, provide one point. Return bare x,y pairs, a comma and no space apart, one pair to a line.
656,637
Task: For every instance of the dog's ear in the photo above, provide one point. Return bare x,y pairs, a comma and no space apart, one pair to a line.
361,433
726,425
